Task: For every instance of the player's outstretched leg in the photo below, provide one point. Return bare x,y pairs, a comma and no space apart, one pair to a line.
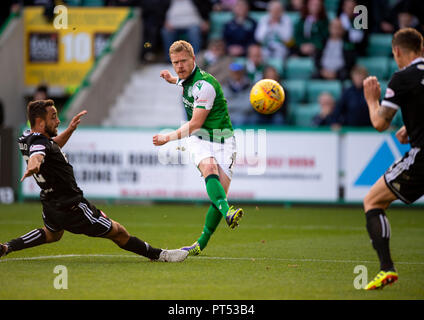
213,218
124,240
31,239
218,197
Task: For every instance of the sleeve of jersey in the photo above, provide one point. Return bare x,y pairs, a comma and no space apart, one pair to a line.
39,145
393,94
204,95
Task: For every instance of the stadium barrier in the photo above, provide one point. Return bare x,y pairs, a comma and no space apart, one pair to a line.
272,166
8,168
109,74
12,70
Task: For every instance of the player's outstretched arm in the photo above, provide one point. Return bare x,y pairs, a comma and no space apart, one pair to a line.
165,74
62,138
196,122
33,166
380,116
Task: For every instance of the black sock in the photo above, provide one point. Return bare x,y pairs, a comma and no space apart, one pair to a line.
379,231
142,248
31,239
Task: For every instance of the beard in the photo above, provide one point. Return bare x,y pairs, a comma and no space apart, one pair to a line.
52,132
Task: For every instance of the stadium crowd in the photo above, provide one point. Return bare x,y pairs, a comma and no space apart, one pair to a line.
310,46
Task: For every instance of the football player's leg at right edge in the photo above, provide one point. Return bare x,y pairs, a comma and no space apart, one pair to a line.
217,185
376,202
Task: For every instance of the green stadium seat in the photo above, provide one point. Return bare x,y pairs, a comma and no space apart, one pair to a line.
294,16
315,87
376,66
393,67
94,3
257,15
299,68
296,90
217,22
277,64
379,45
383,86
85,3
331,5
302,114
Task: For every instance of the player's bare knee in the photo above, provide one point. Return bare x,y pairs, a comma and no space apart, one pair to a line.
118,234
52,236
210,169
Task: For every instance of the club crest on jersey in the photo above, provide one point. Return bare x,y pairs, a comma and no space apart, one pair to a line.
389,93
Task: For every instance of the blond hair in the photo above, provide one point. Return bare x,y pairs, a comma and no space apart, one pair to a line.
181,45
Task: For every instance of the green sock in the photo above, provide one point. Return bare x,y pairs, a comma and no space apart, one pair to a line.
217,194
213,217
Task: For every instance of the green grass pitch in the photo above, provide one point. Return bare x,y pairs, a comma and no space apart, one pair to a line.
276,253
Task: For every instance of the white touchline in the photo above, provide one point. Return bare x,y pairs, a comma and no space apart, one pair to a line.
200,257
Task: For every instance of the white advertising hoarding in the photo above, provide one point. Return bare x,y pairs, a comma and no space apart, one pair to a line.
270,166
367,156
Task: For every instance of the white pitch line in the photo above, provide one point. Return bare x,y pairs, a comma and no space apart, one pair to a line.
201,257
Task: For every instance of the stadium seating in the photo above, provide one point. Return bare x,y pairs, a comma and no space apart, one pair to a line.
302,114
85,3
315,87
376,66
393,67
217,22
277,64
299,68
379,45
331,5
296,90
383,86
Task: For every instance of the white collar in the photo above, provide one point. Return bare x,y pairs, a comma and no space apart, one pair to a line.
419,59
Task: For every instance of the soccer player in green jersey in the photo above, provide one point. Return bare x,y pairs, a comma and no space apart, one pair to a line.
210,137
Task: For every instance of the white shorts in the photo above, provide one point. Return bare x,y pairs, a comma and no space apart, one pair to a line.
224,153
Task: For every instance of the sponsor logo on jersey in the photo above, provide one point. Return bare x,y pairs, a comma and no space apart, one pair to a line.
36,147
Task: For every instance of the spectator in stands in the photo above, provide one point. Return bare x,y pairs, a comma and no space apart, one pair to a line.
41,92
239,33
407,19
214,60
236,91
337,57
295,5
153,17
395,17
275,32
311,30
279,117
223,5
351,108
186,17
356,36
255,63
258,5
326,115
